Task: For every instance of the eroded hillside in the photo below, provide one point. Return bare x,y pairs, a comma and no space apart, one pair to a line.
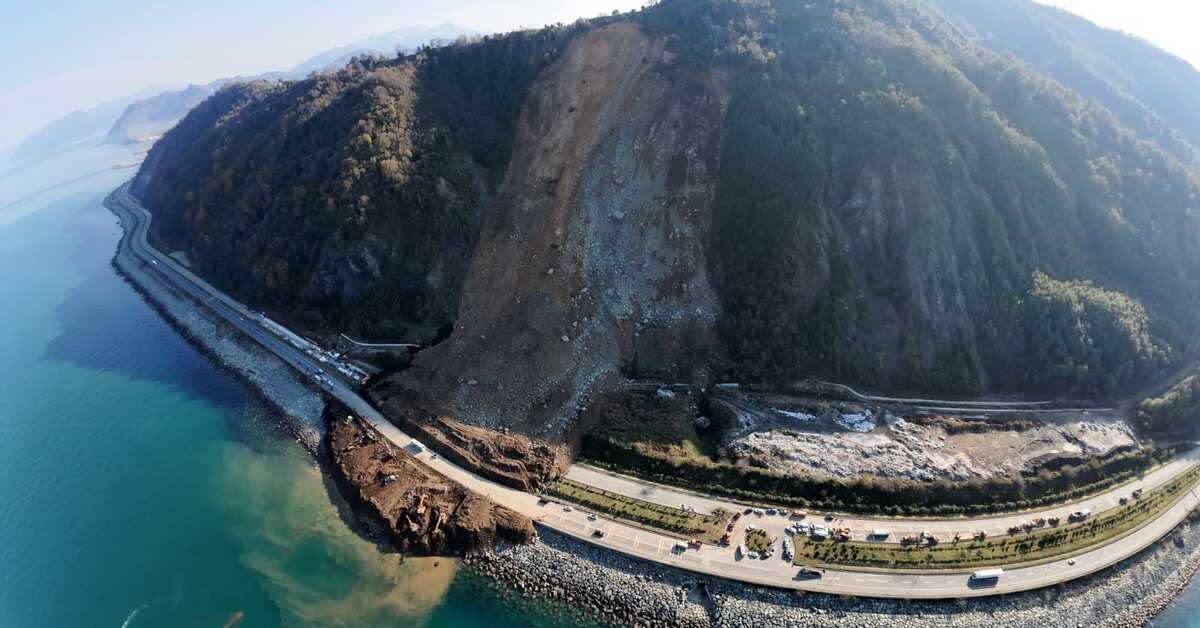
704,190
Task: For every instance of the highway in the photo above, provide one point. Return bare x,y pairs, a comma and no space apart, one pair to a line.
651,546
861,527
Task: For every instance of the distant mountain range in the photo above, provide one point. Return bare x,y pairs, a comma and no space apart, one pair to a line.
408,38
147,114
75,127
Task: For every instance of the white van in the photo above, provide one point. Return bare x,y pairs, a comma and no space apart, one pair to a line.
987,574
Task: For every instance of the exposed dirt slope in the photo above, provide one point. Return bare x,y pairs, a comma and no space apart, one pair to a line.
500,455
593,254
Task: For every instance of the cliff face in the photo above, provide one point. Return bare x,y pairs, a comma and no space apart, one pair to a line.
870,191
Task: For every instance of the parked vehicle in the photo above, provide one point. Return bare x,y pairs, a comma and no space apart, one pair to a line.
1079,515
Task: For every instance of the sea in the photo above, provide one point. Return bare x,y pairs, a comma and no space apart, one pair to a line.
143,485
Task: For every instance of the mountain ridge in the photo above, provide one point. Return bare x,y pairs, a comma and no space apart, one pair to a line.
705,191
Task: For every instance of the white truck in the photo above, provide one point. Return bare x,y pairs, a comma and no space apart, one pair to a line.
984,575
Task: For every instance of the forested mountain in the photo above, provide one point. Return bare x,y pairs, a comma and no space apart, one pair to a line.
932,195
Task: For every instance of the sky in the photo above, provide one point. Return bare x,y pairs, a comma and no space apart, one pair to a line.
63,55
1168,24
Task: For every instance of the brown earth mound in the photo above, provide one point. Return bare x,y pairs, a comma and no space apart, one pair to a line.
423,512
502,456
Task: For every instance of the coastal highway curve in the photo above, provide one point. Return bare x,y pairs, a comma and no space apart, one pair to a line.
644,544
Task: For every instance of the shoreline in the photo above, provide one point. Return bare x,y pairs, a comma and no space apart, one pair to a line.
268,379
615,588
626,591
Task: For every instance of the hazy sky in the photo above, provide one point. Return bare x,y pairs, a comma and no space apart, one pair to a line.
62,55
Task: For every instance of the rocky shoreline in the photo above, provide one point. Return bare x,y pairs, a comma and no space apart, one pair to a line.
609,587
616,589
266,376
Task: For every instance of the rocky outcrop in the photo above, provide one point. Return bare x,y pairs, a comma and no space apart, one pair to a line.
421,511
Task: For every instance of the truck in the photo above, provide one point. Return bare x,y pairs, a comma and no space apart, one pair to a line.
987,574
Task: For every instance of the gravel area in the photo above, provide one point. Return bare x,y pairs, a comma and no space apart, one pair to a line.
271,378
624,591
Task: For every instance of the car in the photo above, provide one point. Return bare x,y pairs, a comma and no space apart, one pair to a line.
591,516
807,573
598,533
1079,515
752,555
1071,561
568,509
772,512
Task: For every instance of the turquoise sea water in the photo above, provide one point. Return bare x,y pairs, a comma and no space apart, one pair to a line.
140,485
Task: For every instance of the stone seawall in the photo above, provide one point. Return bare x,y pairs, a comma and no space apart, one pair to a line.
274,381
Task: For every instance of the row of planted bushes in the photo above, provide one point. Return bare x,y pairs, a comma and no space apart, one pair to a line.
875,495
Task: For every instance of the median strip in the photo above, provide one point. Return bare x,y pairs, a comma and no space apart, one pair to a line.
1042,544
675,522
